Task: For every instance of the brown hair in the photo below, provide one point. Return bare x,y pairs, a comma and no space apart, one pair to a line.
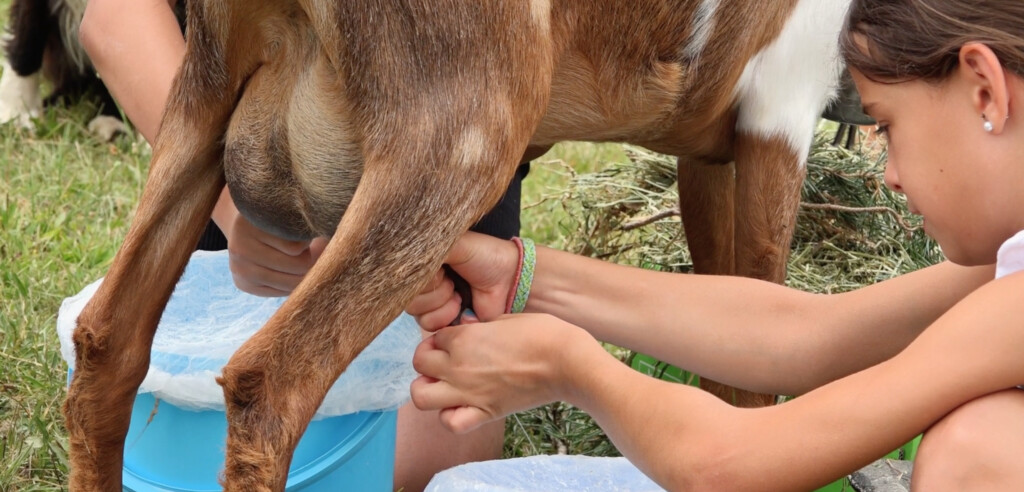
921,39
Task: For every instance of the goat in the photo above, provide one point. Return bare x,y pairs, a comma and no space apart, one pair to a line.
392,126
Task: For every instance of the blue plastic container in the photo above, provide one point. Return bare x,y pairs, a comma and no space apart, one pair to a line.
178,445
169,449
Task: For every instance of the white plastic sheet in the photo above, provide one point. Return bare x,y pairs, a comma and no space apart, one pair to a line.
544,474
208,318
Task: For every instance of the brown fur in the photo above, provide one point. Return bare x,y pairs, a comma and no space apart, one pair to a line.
429,106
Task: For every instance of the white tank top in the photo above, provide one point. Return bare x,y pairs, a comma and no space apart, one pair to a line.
1010,258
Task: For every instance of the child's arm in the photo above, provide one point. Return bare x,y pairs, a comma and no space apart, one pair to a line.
747,333
136,46
677,434
689,440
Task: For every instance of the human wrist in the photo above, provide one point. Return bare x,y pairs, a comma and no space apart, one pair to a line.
583,364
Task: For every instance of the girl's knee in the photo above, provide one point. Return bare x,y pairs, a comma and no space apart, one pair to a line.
975,447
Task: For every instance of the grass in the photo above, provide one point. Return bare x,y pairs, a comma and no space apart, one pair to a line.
65,202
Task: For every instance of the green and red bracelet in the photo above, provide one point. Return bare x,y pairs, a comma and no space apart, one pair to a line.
524,275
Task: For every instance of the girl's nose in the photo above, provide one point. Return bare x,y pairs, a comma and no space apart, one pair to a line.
892,179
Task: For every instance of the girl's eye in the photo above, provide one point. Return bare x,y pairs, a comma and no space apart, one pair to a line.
882,130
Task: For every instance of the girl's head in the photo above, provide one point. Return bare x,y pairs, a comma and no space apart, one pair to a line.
945,81
921,39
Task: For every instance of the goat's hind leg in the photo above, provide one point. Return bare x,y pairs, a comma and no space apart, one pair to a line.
441,141
396,231
115,330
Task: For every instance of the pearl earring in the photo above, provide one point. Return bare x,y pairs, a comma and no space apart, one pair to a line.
987,126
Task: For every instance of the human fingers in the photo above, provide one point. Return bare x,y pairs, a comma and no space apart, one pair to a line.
258,280
429,360
434,394
442,316
437,304
270,252
434,294
483,260
317,247
489,265
461,420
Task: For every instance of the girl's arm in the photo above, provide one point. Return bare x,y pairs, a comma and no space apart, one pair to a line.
136,47
679,435
688,440
748,333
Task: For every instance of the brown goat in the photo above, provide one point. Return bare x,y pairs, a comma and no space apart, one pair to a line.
392,126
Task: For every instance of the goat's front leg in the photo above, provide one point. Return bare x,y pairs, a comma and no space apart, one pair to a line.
115,330
769,174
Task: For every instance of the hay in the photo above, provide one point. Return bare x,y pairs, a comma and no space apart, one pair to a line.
851,230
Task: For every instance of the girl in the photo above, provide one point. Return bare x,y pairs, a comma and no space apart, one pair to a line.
936,350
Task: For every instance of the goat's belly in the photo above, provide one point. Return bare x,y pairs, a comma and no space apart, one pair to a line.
290,161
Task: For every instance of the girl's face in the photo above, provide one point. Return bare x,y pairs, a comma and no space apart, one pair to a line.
954,174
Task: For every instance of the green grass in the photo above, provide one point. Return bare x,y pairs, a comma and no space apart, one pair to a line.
544,218
65,202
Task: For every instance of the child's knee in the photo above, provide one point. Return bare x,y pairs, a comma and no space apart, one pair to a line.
974,447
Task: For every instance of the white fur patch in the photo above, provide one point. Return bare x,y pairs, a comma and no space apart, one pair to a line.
702,26
541,12
20,100
471,147
785,87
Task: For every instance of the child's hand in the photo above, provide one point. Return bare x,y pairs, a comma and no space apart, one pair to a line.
478,372
263,264
489,266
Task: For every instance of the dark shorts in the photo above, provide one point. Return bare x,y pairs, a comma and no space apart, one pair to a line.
502,221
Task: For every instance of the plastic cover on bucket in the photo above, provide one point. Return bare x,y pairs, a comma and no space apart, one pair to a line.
208,318
544,473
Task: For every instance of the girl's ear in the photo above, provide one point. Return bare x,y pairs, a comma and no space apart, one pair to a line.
986,79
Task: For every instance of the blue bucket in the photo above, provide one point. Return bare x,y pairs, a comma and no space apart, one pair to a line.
169,449
178,431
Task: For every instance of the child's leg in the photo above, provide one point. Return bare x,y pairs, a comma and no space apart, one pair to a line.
976,447
424,447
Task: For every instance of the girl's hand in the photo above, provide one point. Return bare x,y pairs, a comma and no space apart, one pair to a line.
263,264
489,266
478,372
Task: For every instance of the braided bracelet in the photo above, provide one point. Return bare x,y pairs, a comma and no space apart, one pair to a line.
524,275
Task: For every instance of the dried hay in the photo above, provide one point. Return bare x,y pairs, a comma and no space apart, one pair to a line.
851,230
